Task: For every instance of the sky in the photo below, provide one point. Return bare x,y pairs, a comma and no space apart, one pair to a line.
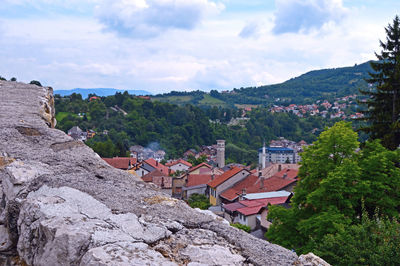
183,45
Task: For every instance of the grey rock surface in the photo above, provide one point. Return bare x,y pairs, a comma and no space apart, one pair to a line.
310,259
61,204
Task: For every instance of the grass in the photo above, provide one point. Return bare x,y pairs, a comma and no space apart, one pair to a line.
173,99
61,115
209,100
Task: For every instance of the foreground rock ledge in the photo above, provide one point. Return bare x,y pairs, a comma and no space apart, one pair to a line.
62,205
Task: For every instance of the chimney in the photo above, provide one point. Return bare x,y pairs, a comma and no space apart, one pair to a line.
212,176
279,168
284,175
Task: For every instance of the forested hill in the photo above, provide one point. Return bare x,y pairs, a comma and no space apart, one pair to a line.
316,85
325,84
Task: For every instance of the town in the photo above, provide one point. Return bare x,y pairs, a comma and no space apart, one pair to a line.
235,192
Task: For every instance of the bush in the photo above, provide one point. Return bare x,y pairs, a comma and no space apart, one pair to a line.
35,82
199,201
242,227
13,79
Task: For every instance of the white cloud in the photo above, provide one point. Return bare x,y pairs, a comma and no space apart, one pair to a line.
68,51
305,15
149,18
251,29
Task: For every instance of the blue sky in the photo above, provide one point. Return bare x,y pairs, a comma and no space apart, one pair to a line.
163,45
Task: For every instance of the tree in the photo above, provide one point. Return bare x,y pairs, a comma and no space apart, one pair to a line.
199,201
374,241
35,82
383,105
13,79
335,179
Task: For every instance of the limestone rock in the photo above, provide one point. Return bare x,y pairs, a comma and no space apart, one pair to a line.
310,259
61,204
124,254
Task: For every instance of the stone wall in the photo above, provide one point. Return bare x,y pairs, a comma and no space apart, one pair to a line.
62,205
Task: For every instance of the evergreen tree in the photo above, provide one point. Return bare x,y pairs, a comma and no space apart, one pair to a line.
383,112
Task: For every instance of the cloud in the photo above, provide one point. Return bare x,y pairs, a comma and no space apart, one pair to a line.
251,29
149,18
305,15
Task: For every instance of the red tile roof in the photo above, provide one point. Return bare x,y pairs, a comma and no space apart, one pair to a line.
198,166
159,166
270,184
225,176
253,184
121,162
233,192
178,161
250,207
290,173
250,210
195,180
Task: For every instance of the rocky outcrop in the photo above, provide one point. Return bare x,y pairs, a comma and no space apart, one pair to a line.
62,205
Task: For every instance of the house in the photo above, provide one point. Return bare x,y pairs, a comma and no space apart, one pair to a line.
253,210
160,179
224,182
179,165
77,134
196,184
285,179
90,133
150,165
202,168
123,163
179,182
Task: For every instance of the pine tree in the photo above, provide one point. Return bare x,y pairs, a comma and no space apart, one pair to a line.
383,113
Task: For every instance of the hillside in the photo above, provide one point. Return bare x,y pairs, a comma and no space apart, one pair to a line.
307,88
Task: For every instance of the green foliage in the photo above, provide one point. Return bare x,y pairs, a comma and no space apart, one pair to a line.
13,79
374,241
196,161
242,227
35,82
105,148
333,180
2,78
179,128
383,103
199,201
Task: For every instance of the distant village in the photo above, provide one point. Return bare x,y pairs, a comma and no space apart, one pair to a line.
338,109
234,191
